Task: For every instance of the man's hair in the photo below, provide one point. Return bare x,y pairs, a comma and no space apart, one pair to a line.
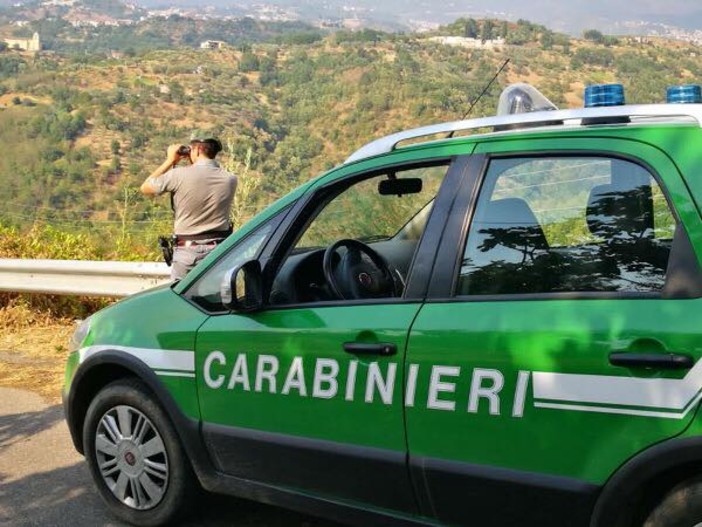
210,147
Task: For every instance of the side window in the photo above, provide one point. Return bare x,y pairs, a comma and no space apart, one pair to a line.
567,224
380,218
206,291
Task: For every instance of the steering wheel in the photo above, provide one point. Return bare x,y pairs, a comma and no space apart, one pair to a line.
355,277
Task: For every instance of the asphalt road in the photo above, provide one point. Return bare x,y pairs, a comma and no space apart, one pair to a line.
45,482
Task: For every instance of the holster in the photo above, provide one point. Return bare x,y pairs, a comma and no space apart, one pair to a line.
166,245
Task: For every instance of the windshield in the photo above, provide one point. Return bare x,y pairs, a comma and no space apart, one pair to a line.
362,213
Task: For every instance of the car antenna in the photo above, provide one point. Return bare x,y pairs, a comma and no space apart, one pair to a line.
477,99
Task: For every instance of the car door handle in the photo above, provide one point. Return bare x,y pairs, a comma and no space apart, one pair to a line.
659,361
377,348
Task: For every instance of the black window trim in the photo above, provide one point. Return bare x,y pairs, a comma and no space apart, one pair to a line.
683,275
277,249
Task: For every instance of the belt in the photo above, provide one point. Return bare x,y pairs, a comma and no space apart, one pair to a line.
208,235
195,243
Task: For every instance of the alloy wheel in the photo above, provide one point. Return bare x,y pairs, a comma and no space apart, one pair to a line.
132,457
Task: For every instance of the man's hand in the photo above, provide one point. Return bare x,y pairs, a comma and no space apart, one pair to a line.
172,155
172,159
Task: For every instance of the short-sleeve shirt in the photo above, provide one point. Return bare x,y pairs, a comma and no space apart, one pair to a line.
202,196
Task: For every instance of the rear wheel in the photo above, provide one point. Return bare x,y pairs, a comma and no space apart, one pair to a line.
681,507
135,457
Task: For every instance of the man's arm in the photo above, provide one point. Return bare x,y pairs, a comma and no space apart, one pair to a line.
172,158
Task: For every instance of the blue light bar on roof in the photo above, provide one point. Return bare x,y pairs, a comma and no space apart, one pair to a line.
598,95
685,94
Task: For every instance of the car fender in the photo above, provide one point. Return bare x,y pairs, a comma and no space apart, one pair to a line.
643,480
110,365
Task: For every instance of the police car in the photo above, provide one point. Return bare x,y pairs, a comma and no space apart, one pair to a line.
488,322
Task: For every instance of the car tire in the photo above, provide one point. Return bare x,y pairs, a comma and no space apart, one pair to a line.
135,456
681,507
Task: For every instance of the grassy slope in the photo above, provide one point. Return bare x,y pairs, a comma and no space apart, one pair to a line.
303,111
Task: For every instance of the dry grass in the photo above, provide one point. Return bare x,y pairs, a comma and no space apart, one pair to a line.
45,379
33,350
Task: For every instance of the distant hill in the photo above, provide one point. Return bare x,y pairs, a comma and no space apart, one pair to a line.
102,26
572,16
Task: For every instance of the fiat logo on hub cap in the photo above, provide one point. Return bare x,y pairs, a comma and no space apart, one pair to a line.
130,459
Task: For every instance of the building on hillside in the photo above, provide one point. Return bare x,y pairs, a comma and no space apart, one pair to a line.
88,19
328,23
63,3
25,44
354,24
213,44
471,43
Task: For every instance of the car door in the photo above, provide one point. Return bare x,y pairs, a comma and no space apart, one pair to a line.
557,341
306,393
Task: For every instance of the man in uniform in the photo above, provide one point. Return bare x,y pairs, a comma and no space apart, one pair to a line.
202,195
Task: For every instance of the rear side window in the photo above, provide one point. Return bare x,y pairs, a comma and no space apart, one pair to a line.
567,224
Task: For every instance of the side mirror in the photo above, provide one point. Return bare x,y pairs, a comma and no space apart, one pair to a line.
242,288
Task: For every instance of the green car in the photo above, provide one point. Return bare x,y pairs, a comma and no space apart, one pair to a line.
488,322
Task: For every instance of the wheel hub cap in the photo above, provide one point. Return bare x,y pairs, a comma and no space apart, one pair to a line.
132,457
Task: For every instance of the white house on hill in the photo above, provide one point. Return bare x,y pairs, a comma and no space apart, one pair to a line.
24,44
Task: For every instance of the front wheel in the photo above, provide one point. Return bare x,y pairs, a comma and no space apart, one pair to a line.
681,507
135,457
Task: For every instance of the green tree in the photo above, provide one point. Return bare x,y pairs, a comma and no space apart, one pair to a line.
471,29
547,40
592,57
115,165
486,33
593,35
504,29
249,62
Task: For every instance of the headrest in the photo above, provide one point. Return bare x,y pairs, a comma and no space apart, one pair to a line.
516,219
620,213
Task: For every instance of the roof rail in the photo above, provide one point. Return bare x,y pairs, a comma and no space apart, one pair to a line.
691,112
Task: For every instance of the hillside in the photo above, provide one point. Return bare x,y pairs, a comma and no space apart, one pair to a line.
81,127
90,32
86,130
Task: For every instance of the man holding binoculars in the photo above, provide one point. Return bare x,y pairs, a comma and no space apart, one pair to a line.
201,198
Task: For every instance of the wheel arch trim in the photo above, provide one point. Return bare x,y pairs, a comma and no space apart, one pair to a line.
188,429
621,497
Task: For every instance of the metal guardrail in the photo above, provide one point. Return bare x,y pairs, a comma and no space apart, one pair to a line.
80,277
